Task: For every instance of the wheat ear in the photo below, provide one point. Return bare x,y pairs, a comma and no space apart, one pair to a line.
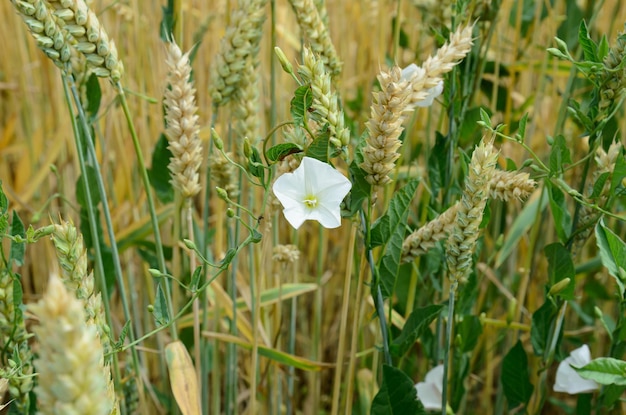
182,124
70,368
465,232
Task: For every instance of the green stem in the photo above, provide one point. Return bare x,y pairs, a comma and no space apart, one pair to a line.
446,356
91,214
151,207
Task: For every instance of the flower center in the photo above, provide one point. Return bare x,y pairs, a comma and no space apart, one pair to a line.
310,201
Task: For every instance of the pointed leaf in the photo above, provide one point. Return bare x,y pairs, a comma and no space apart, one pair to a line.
4,207
605,371
160,311
183,378
559,155
300,104
540,327
520,227
159,173
397,395
586,43
612,254
558,207
385,226
392,231
280,151
16,255
560,266
619,172
416,323
517,388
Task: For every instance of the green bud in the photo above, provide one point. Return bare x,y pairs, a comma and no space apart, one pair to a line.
284,62
597,312
230,212
150,308
189,244
221,193
217,140
559,286
155,273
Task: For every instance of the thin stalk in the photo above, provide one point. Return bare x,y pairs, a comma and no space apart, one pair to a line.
317,321
196,303
291,345
91,214
553,339
378,299
355,330
446,356
231,358
396,32
343,322
255,293
151,207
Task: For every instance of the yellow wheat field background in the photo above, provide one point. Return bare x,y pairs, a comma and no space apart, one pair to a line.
39,169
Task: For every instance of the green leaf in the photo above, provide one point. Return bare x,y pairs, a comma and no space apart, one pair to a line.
167,22
94,96
255,164
517,388
559,155
160,312
612,254
81,195
603,48
560,266
195,279
18,294
392,232
521,226
318,149
558,206
360,191
605,371
416,323
159,174
280,151
598,186
521,128
469,330
540,327
16,254
589,47
386,225
300,104
397,395
619,172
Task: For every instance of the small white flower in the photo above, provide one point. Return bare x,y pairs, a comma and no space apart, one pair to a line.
313,191
568,380
412,71
430,391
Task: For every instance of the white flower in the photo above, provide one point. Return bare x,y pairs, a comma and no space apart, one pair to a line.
313,191
430,391
568,380
412,71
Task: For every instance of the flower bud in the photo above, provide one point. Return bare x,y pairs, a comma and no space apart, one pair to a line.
230,212
247,148
284,62
189,244
559,286
221,193
217,140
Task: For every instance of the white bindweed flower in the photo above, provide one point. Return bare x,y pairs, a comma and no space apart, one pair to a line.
413,71
568,380
313,191
430,391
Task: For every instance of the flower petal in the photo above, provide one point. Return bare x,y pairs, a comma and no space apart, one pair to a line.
296,215
328,218
435,376
429,395
410,71
568,380
433,93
